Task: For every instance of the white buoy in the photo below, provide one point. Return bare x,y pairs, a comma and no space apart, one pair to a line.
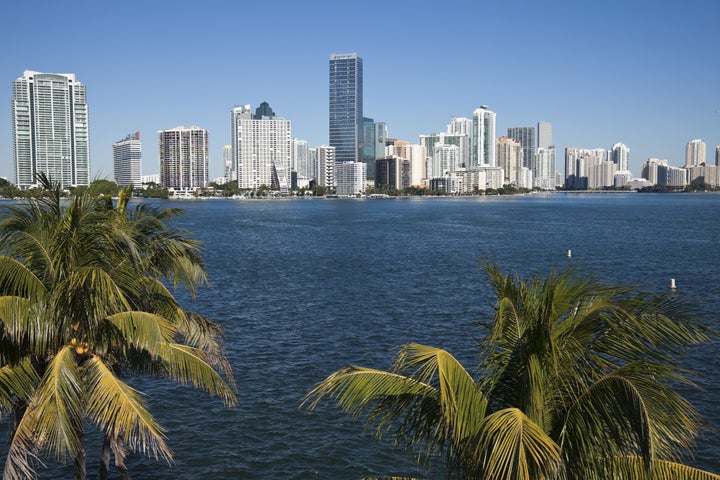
569,253
672,283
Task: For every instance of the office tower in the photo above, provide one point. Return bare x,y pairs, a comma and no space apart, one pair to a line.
50,129
717,156
346,107
325,165
350,178
261,149
127,160
510,159
544,134
526,137
620,156
183,155
695,153
483,138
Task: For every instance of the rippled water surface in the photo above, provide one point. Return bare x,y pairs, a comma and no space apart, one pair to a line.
304,287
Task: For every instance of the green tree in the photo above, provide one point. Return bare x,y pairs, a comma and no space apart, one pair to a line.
83,304
576,380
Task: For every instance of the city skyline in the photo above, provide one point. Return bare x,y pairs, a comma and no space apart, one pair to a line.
600,74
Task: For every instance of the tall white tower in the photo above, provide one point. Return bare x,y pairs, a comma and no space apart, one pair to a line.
127,160
695,153
50,129
483,138
261,150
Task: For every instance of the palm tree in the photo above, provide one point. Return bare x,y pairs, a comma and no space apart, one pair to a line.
576,380
83,303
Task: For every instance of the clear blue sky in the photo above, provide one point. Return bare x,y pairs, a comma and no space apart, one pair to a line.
644,73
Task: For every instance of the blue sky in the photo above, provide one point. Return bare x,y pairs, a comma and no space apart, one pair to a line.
644,73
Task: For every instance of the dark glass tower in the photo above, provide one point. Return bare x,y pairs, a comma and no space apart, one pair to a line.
346,107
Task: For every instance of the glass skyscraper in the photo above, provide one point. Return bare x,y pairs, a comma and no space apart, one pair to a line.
50,129
346,107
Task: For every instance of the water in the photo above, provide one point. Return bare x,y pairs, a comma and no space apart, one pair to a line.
304,287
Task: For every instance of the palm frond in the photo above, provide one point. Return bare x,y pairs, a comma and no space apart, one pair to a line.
120,410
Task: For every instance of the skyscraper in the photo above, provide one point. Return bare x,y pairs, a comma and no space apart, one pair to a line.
482,142
50,129
127,160
261,149
544,134
346,107
183,155
526,137
695,153
620,156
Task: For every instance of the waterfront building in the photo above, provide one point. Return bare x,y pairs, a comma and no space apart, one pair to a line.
544,134
324,157
585,168
620,156
127,160
704,175
346,107
228,170
417,157
183,153
150,179
526,137
350,178
650,169
375,137
480,179
510,159
695,153
717,156
300,158
460,133
544,175
392,172
261,149
446,159
482,140
459,140
50,129
672,176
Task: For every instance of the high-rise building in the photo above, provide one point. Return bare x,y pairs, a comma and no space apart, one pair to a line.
544,175
127,160
300,161
509,158
350,178
695,153
324,156
482,141
183,153
620,156
346,107
50,129
261,149
544,134
228,168
526,137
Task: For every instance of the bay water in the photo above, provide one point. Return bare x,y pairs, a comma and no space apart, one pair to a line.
305,287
